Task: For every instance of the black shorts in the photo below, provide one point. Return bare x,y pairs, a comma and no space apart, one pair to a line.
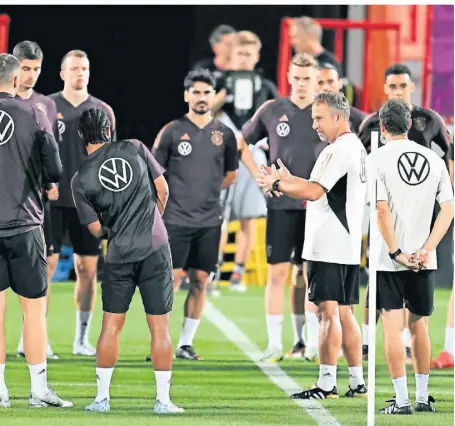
66,219
47,228
285,234
153,276
195,248
333,281
412,290
23,265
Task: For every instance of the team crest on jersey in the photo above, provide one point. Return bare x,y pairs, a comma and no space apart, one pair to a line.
283,129
217,138
420,123
184,148
41,107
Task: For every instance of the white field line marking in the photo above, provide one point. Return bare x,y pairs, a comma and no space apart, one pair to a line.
321,415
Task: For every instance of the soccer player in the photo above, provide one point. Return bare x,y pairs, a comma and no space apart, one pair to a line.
200,156
28,158
119,192
333,236
330,81
30,57
410,178
71,102
427,127
288,125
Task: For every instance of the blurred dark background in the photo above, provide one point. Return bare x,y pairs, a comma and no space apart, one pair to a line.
140,54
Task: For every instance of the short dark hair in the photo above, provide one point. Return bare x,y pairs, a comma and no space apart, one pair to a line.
336,102
201,75
220,31
27,50
328,66
93,125
397,69
9,68
395,116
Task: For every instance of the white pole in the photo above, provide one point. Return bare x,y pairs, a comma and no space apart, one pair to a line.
373,251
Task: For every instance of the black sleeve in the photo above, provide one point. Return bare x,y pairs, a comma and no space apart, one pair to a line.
163,145
231,154
52,165
154,168
85,210
442,137
254,129
365,132
271,89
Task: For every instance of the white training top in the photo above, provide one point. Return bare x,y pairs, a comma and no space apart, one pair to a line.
333,230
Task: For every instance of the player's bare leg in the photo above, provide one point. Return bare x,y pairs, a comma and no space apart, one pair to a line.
352,350
194,306
4,396
84,294
274,308
312,328
299,286
393,325
407,338
365,327
445,358
35,343
245,242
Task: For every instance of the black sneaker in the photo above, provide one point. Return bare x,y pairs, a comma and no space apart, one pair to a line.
422,406
148,358
359,392
393,408
317,393
298,351
187,352
365,352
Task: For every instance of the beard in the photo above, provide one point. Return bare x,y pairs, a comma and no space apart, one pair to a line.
201,109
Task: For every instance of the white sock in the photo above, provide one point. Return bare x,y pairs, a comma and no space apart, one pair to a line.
103,382
401,390
355,377
189,329
274,330
448,345
163,385
407,337
327,377
82,326
365,335
38,377
298,320
3,388
312,330
422,386
20,347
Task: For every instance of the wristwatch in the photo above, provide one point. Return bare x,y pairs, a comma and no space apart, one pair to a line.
394,255
275,185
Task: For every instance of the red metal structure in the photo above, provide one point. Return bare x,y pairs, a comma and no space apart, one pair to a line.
4,31
339,26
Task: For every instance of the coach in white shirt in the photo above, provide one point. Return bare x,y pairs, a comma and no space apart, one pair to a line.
336,192
410,179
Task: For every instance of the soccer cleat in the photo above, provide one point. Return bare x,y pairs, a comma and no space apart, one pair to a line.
443,360
236,284
311,355
317,393
170,408
393,408
98,406
298,351
187,352
50,353
425,406
4,401
84,349
359,392
408,355
148,358
50,400
272,355
365,352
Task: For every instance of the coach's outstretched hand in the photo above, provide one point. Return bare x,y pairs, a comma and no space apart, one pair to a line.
271,174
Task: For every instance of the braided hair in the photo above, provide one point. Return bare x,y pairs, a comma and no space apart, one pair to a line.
93,125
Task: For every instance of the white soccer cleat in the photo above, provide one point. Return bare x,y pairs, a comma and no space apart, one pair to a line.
50,400
272,355
50,353
84,349
170,408
239,287
98,406
4,401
